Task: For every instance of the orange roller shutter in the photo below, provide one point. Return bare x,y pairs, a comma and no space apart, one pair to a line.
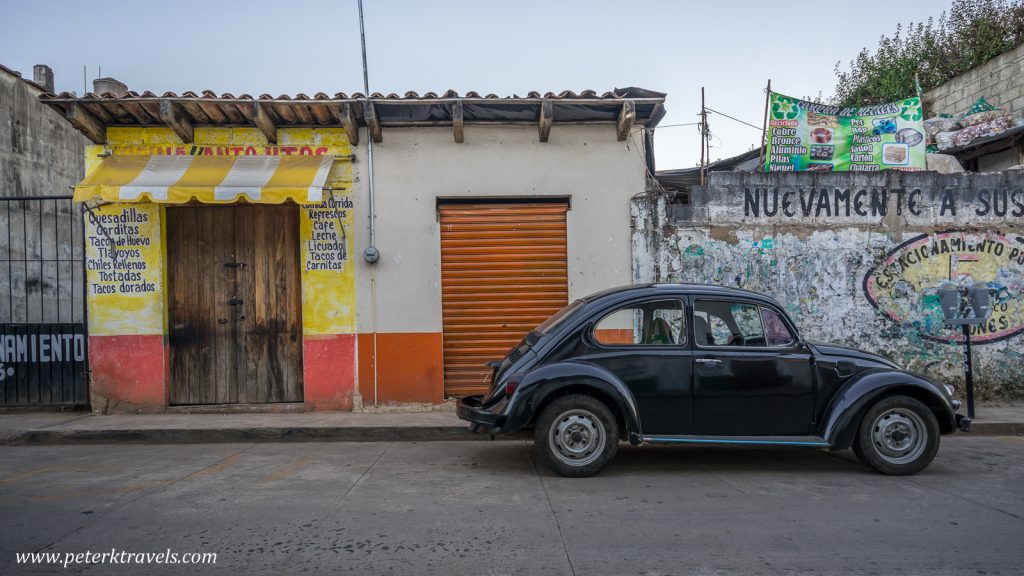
504,270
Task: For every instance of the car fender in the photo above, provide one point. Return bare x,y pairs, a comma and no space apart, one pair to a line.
842,417
538,385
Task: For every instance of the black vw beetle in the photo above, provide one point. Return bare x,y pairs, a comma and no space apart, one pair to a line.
668,363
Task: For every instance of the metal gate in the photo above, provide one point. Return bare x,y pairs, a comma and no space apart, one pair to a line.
504,270
43,337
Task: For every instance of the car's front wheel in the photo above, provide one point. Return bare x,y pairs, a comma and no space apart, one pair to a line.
576,436
898,435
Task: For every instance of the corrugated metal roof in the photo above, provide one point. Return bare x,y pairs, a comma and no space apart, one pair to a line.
684,178
390,110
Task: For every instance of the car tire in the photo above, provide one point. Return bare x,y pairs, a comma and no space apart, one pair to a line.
576,436
898,436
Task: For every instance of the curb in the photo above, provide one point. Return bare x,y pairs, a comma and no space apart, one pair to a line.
227,435
995,429
321,434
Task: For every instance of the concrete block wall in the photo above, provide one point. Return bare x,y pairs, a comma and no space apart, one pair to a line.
41,154
998,81
855,258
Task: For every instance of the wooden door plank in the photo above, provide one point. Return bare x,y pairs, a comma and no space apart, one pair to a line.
292,293
271,334
179,227
247,358
204,384
199,286
225,280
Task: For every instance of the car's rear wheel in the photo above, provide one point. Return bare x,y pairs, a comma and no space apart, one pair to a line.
898,435
576,436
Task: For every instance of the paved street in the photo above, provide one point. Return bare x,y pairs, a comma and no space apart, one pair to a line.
485,508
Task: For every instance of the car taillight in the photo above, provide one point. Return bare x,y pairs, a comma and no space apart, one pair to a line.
511,384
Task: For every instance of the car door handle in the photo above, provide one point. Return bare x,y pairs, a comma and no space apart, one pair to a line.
708,361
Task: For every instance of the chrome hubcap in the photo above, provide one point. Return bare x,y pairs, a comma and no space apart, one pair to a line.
898,436
577,437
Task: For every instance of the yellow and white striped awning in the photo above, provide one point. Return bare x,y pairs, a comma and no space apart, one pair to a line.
207,179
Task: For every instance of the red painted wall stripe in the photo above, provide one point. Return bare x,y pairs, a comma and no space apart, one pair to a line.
129,372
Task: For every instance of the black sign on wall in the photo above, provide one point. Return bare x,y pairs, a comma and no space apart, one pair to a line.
42,364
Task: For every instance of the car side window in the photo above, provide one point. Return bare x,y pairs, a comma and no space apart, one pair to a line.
655,323
722,323
776,331
709,330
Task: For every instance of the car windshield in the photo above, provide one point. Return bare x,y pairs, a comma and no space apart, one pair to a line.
552,322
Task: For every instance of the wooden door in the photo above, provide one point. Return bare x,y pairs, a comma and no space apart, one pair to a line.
503,272
234,304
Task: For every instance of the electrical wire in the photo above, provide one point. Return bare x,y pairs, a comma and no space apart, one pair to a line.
677,125
650,175
732,118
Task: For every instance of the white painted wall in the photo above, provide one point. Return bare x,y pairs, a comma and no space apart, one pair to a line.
415,166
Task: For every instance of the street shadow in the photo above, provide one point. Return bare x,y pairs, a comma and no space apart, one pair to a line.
731,459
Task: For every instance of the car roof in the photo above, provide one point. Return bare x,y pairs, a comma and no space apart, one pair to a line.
654,289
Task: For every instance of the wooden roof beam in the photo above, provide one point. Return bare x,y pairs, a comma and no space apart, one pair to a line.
626,118
261,118
372,121
86,123
170,114
547,116
348,122
457,124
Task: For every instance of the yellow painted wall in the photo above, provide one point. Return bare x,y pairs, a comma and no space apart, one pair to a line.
124,261
328,277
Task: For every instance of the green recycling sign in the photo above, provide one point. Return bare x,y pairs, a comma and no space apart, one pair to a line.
806,136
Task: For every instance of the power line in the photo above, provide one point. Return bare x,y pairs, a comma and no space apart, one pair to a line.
677,125
758,128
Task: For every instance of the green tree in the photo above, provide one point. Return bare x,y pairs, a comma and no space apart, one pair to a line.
971,33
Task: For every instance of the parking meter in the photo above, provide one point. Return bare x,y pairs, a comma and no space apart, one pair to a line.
949,300
980,300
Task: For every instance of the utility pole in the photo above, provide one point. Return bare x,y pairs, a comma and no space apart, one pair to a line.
703,134
764,127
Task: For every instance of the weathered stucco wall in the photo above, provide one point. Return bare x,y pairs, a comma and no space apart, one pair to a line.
997,80
856,258
40,153
399,298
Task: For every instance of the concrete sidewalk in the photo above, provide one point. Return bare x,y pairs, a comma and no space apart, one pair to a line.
21,428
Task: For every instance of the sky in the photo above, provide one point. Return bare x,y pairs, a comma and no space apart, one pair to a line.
731,48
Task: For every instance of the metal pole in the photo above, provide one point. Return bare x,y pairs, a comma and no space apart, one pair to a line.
968,371
764,127
703,133
371,255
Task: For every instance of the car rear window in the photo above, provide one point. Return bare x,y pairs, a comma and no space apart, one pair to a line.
558,317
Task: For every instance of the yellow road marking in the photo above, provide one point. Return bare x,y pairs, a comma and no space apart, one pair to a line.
209,470
44,470
287,470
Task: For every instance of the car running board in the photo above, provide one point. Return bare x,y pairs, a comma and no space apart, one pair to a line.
815,441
